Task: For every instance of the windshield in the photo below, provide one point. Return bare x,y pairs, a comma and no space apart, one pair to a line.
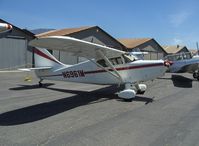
181,56
129,58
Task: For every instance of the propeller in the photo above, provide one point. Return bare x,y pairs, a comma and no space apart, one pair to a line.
168,63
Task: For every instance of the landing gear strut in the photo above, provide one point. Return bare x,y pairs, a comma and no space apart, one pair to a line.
40,83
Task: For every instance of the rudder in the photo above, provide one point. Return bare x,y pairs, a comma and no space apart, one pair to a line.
43,58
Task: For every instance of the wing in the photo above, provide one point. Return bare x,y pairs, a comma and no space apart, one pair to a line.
76,47
189,68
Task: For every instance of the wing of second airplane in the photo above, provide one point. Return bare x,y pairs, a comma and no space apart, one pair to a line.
189,68
75,46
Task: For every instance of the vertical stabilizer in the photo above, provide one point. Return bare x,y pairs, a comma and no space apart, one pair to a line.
43,58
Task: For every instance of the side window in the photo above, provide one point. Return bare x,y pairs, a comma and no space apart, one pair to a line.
113,61
119,60
102,62
116,61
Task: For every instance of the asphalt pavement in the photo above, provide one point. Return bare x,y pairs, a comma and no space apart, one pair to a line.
63,113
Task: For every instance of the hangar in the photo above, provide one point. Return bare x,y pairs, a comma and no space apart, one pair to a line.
14,49
89,33
150,45
175,49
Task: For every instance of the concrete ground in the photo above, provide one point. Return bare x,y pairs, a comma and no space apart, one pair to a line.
72,114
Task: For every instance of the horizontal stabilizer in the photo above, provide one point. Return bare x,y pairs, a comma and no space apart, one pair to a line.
37,68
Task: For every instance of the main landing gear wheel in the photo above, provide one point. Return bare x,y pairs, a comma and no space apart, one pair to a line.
128,100
141,88
130,91
40,83
198,78
127,94
196,75
140,92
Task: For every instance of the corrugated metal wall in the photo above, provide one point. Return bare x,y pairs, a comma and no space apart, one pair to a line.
13,53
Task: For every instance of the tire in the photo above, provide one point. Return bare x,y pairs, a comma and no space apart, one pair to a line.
198,78
40,85
140,92
128,100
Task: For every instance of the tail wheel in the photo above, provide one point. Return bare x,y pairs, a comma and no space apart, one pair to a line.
40,83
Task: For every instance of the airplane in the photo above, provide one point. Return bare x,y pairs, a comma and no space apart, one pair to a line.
184,62
4,27
105,65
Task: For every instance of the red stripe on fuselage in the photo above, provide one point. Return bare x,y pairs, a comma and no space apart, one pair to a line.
125,68
118,69
40,53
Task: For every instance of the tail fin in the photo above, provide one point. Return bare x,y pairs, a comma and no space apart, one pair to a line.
43,58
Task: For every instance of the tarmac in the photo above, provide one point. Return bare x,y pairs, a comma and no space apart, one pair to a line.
73,114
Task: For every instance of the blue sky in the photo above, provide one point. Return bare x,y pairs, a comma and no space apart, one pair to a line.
169,22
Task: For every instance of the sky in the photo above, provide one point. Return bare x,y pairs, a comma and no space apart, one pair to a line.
169,22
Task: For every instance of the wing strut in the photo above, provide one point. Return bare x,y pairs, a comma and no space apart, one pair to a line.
117,75
103,68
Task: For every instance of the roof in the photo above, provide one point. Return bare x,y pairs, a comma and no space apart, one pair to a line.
69,31
173,49
134,42
63,32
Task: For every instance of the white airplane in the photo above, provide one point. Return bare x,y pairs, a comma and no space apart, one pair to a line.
105,65
184,62
4,27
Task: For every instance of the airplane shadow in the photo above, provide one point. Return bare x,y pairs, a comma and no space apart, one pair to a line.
44,110
180,81
147,100
29,87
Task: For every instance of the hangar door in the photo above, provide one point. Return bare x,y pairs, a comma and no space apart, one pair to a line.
12,53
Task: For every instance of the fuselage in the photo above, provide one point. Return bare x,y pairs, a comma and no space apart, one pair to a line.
89,72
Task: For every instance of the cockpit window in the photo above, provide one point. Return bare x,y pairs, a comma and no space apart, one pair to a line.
114,61
180,56
102,62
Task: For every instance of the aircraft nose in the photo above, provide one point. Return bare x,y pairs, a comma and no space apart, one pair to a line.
167,63
9,26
